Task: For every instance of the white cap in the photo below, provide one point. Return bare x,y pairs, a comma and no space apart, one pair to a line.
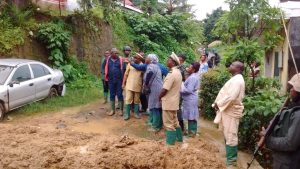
175,58
295,82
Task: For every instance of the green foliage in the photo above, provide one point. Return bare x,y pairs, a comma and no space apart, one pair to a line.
57,39
271,40
249,19
90,17
71,99
122,32
259,110
224,30
246,51
211,83
149,6
195,32
159,27
262,83
209,24
10,36
163,34
171,6
98,12
86,81
19,17
56,36
15,23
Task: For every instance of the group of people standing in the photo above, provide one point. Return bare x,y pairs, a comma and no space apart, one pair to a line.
170,94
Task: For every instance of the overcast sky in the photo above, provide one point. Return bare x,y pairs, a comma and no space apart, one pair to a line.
202,7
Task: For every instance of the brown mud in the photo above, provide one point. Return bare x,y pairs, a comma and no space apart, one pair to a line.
84,137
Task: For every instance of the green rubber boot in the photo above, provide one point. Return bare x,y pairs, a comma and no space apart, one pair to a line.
113,108
150,118
170,137
192,128
121,106
105,97
136,111
126,115
179,134
231,155
157,120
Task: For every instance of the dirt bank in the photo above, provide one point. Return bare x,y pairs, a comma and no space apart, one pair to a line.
25,146
56,141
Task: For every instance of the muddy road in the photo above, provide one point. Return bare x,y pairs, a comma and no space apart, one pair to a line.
84,137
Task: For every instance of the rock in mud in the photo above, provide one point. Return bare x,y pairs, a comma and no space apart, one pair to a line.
61,125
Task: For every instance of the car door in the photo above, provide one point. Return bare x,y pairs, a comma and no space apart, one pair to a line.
42,79
24,91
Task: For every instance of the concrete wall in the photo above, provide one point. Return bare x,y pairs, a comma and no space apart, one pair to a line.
89,45
294,35
288,67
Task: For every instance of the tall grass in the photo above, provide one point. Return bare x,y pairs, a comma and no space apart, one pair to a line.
73,97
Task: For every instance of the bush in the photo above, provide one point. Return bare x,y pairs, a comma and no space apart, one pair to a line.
165,34
122,32
211,83
260,108
15,23
10,36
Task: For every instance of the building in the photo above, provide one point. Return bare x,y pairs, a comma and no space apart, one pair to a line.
279,63
127,4
51,4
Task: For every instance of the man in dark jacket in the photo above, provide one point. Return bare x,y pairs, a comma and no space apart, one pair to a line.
114,71
285,139
102,71
182,67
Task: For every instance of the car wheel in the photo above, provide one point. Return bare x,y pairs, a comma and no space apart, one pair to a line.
2,112
52,93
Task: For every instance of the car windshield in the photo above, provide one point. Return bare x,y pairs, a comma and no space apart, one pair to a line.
4,73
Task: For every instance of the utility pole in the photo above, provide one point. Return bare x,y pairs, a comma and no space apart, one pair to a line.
59,5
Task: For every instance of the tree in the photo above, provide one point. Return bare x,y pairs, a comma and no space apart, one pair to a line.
248,19
253,26
85,4
209,24
170,6
149,6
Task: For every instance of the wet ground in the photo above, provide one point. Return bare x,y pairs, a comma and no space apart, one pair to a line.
85,137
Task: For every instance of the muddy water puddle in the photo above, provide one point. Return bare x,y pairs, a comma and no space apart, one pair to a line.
117,126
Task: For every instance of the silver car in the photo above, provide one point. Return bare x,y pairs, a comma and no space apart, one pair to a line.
24,81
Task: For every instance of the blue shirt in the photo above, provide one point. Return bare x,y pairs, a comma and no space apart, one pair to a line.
115,73
143,67
203,68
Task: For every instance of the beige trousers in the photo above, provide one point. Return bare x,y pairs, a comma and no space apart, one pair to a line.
230,126
132,96
170,120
